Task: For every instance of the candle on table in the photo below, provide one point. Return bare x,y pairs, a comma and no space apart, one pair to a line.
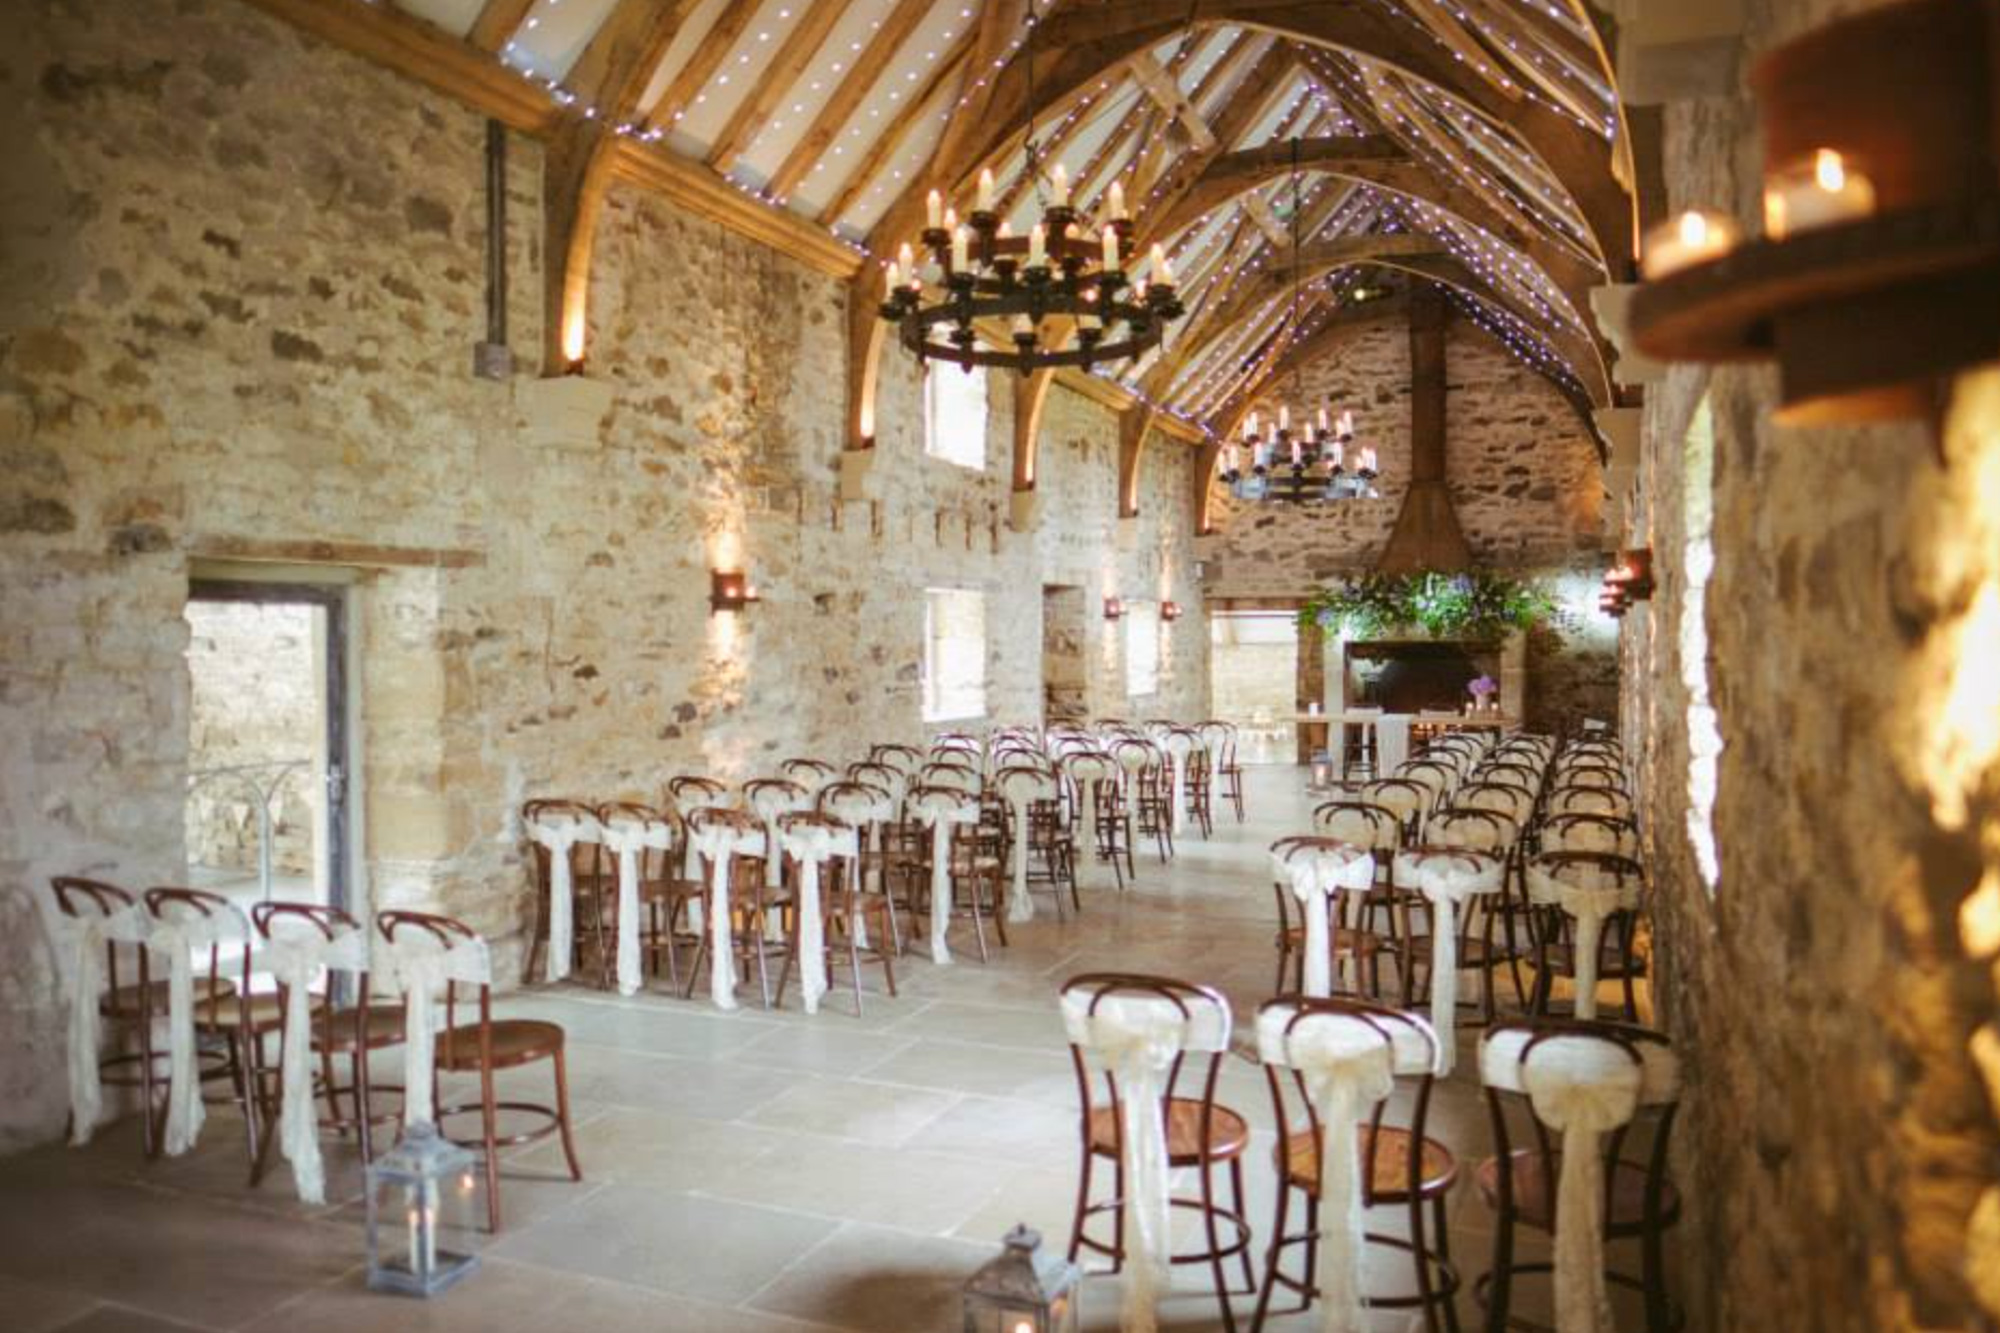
1696,236
1817,192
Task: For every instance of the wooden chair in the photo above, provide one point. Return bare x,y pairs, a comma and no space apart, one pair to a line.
227,1019
853,922
1349,935
1203,1136
1220,740
1098,815
1147,791
755,907
1400,1165
586,891
1377,830
484,1047
666,893
973,866
1555,935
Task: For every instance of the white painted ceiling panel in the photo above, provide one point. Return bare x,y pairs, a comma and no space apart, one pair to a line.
554,35
454,16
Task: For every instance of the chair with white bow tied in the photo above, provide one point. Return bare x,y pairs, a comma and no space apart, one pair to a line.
1570,798
1225,768
1507,940
1148,1053
769,799
562,836
833,916
1147,787
205,941
653,898
739,904
1408,801
433,960
1590,833
1439,780
1091,780
1457,889
101,933
1318,882
903,758
1040,850
811,774
1331,1066
961,869
1593,1090
1376,830
304,946
888,861
685,795
944,773
1585,908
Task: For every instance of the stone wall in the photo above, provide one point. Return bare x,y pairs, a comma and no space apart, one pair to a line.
1524,478
244,275
1832,994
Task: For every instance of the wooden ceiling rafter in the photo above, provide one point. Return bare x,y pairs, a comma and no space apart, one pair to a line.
497,22
787,65
919,104
695,72
868,69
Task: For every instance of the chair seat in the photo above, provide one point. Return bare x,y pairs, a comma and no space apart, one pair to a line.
1389,1151
127,1001
1348,941
1610,966
516,1041
669,890
1228,1132
334,1030
1534,1176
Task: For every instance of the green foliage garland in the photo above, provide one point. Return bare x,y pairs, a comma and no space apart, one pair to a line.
1476,605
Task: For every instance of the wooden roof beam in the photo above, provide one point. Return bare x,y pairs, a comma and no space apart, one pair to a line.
867,70
787,66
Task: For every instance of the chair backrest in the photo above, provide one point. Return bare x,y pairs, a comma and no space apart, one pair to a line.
81,898
1198,1014
957,776
771,797
902,758
886,777
1477,830
856,804
467,964
1359,824
811,774
1403,798
1607,801
691,792
1590,833
1136,756
215,922
1434,777
1510,801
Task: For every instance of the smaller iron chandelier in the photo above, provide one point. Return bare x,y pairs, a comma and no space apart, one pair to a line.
1309,465
985,273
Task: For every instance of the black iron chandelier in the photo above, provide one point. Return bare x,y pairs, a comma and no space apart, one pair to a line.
1312,464
1064,297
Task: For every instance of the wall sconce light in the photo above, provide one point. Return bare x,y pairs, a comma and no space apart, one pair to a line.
1632,576
1114,608
730,590
1170,610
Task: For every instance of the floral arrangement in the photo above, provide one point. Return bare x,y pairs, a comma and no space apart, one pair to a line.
1482,687
1479,605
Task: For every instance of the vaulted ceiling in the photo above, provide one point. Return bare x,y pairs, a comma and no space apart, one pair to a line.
1296,158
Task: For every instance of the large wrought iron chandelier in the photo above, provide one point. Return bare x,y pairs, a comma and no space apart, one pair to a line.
1315,463
1064,296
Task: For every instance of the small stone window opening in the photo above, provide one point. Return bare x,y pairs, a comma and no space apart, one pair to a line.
955,416
1704,732
1142,649
954,654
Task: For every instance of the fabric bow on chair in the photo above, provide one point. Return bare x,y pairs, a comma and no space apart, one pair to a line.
1179,746
721,842
296,960
941,811
1022,789
1590,896
1447,880
1085,772
629,836
177,932
423,964
87,934
812,846
1315,874
560,833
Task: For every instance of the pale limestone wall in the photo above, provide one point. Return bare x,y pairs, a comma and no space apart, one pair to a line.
1835,1135
1524,478
253,701
244,277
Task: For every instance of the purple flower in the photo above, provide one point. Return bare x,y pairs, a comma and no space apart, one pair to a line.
1483,686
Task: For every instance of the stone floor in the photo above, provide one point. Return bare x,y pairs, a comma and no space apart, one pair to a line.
745,1173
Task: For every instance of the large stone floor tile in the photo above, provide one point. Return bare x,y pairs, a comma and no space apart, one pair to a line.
878,1280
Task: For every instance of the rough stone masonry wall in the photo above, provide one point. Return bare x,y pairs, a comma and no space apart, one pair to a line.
1524,478
1833,997
244,274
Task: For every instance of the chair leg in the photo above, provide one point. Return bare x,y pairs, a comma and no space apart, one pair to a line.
1242,1205
1449,1302
1082,1203
1215,1262
562,1115
489,1123
1420,1254
1498,1289
1272,1254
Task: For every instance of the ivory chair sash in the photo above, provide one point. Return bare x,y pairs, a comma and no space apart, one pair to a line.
1447,880
1349,1064
1138,1037
560,833
87,935
812,846
1180,746
629,837
941,811
1085,770
297,958
422,965
1317,872
1022,789
1589,894
179,929
720,842
771,800
1583,1085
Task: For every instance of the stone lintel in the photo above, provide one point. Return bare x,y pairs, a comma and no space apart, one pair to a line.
563,411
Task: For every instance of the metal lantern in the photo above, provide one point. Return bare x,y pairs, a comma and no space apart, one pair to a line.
423,1200
1025,1289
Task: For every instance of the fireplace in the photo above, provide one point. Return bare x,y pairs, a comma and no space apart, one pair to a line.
1415,675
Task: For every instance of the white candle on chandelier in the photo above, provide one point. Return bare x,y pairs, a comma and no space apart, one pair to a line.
1284,416
907,258
1339,455
1322,421
1059,187
951,219
985,204
961,249
934,210
1118,213
893,278
1347,423
1037,247
1162,271
1368,458
1298,453
1250,427
1110,250
1024,328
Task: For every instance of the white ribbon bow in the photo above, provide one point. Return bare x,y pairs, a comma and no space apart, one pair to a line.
1315,875
560,833
1179,746
87,936
812,845
296,960
178,935
721,842
1585,1104
1447,880
1348,1068
768,804
1021,791
1086,771
941,813
629,836
1589,898
422,964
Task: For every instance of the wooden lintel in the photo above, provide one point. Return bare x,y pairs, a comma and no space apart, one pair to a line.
363,554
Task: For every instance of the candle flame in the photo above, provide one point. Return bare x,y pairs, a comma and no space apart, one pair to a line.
1693,228
1829,171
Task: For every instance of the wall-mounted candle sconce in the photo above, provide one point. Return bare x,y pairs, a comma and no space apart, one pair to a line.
1114,608
730,590
1632,576
1170,610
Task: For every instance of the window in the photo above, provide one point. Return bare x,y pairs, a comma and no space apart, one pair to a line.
955,416
954,654
1704,733
1142,648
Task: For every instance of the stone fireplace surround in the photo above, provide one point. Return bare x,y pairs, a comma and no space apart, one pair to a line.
1506,660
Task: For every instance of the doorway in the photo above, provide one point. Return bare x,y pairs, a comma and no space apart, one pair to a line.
267,806
1253,673
1065,694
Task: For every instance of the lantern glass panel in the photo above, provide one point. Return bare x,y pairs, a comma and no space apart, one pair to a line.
425,1199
